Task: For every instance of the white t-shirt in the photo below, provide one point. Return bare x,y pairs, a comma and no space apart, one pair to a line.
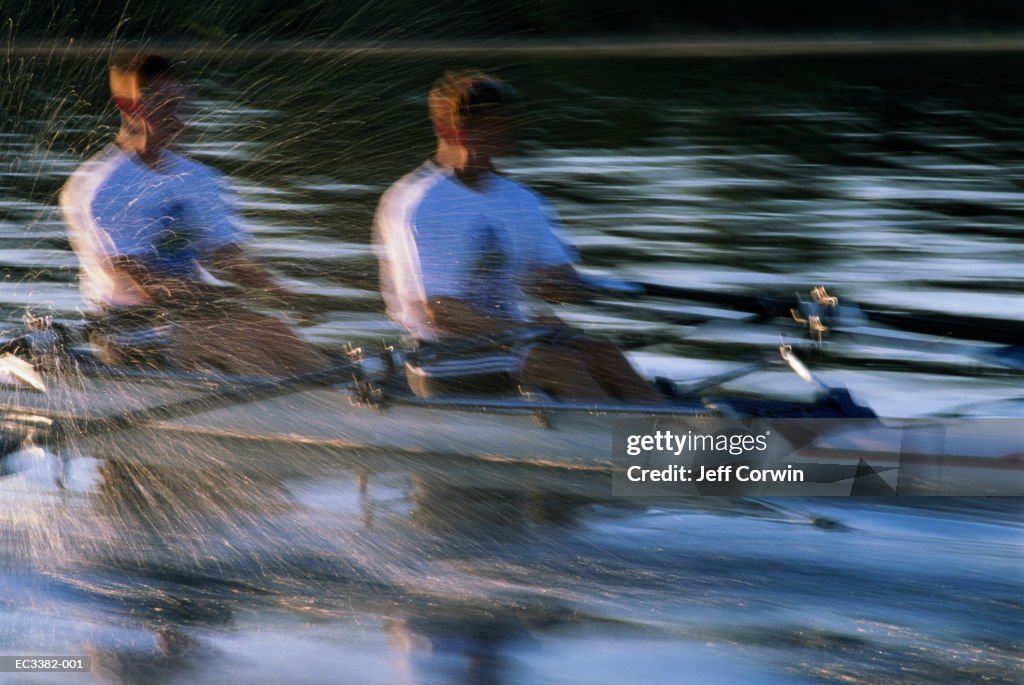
114,205
435,237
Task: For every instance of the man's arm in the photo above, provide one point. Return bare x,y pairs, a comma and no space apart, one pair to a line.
228,262
232,264
163,290
460,318
559,285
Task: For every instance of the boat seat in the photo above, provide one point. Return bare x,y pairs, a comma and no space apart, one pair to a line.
462,368
424,384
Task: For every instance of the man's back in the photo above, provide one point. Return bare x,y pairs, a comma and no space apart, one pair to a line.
460,245
436,237
116,206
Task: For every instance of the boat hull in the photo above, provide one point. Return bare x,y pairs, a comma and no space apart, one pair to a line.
492,443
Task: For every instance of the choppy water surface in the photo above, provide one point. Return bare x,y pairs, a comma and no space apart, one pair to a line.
896,181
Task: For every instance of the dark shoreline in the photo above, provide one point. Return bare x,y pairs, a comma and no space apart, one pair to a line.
679,46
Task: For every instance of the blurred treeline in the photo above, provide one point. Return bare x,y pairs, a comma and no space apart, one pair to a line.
458,19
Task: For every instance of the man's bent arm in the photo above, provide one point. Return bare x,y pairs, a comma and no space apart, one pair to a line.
232,264
162,290
559,285
460,318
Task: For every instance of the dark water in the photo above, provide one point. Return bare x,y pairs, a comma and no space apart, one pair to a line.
891,181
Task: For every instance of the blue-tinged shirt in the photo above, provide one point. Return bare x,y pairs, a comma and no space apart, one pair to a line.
436,237
172,219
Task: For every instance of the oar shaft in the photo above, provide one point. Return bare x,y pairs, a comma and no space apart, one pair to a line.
928,323
966,327
756,304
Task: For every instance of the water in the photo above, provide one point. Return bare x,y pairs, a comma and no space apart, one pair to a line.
894,181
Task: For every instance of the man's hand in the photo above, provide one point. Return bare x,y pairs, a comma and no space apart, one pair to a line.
281,298
232,264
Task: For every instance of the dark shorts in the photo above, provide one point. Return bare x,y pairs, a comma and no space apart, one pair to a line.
133,337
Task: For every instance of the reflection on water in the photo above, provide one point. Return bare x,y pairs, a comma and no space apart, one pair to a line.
175,577
895,181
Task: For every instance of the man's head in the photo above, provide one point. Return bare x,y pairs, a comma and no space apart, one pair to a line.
471,111
149,94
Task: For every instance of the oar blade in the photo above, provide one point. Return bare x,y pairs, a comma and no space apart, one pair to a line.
14,369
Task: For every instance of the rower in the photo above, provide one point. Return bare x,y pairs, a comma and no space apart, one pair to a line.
461,246
149,226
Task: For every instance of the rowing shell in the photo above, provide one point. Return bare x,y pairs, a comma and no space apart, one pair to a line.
175,419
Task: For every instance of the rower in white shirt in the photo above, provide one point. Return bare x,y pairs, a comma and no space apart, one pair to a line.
148,224
462,247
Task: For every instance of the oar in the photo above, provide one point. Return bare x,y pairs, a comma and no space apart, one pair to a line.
823,313
926,322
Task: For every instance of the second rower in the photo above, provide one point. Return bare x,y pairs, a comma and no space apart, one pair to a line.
462,246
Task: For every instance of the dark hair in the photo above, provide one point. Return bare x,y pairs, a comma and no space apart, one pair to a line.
147,66
458,95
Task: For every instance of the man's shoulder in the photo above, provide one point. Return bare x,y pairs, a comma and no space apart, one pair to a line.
422,176
109,156
92,173
189,168
519,191
414,187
